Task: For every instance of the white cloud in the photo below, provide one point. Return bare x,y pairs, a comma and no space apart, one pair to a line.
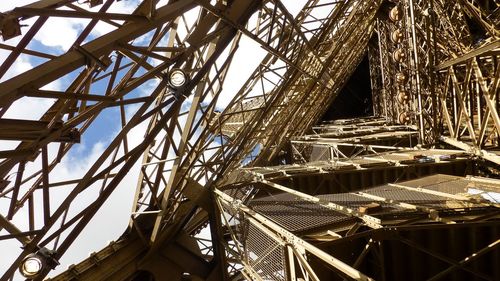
294,6
59,32
8,5
21,65
241,68
28,108
113,218
122,7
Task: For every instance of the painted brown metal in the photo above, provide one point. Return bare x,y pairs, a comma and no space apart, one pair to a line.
434,67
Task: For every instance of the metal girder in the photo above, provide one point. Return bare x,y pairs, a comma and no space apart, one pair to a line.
490,47
437,46
26,130
163,15
287,237
264,225
439,78
367,219
12,89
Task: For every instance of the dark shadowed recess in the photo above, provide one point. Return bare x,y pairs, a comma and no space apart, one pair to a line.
355,99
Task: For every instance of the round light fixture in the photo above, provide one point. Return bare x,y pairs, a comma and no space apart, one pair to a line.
404,118
177,78
395,14
403,97
397,36
31,266
399,55
401,78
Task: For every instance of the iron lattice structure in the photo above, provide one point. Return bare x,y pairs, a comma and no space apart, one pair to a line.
283,196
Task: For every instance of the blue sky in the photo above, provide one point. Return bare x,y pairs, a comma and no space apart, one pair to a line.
56,38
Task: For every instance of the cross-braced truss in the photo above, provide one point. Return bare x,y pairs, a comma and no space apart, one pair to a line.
435,78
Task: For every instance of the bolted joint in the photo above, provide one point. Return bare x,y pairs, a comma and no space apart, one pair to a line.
9,26
93,3
103,62
236,204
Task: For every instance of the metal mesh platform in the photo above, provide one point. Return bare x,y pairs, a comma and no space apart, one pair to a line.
265,255
298,215
442,183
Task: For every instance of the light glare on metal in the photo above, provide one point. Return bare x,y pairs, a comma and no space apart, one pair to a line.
177,78
31,266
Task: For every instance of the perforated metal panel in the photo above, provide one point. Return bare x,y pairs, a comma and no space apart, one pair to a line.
442,183
265,255
240,193
319,153
354,201
409,196
297,215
